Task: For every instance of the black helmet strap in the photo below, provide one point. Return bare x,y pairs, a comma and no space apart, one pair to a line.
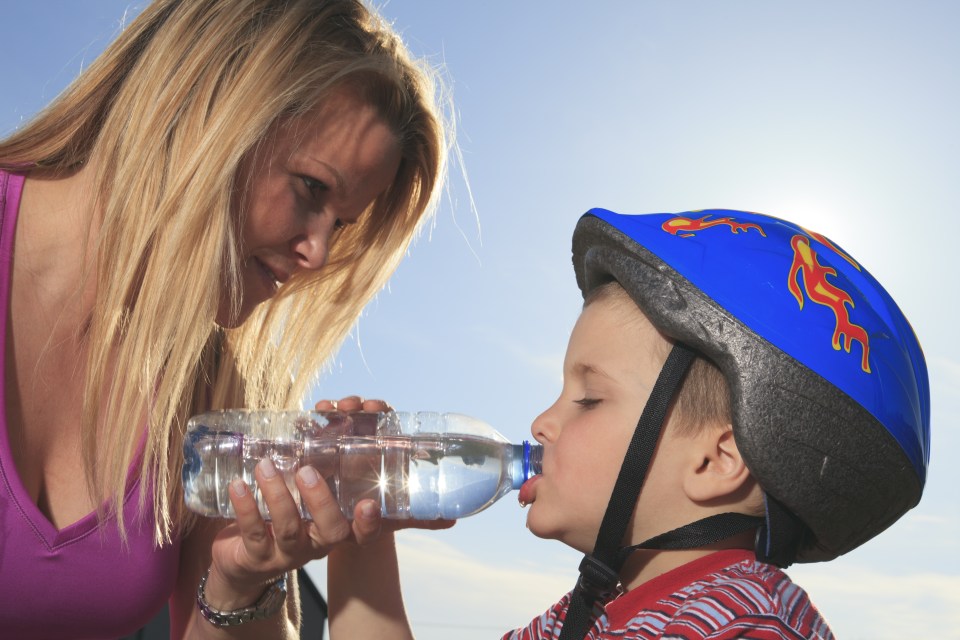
698,534
599,571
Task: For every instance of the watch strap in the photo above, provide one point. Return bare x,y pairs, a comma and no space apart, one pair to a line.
267,605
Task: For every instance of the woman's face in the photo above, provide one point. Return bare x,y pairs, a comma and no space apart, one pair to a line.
310,176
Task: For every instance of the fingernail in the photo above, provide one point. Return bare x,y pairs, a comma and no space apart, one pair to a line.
368,510
239,487
267,468
309,476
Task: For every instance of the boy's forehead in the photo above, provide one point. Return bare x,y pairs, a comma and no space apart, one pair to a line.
610,336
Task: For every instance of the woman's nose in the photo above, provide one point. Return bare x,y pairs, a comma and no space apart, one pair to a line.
311,248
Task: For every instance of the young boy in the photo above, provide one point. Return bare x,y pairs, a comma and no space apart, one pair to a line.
783,410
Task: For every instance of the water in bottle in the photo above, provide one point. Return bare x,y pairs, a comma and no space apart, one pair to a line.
415,465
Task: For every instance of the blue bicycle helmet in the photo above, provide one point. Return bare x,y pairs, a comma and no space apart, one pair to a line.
829,388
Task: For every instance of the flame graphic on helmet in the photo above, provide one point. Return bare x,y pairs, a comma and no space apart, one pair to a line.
686,227
821,291
824,240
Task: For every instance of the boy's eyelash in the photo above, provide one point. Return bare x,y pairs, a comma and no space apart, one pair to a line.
588,403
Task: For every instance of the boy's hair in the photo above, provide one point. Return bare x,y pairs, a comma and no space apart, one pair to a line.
703,398
169,111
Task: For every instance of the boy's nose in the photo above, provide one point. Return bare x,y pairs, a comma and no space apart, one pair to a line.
544,428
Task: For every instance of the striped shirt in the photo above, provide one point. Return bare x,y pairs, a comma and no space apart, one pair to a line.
724,595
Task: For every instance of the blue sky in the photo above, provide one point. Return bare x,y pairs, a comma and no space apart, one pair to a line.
841,116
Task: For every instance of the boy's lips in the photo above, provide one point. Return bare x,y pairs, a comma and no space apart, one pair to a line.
528,494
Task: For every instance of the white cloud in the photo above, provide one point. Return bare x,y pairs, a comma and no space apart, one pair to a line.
448,593
452,587
929,519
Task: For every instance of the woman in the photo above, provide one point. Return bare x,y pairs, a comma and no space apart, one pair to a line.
195,223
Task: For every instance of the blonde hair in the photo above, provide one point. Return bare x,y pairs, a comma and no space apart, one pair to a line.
704,396
169,111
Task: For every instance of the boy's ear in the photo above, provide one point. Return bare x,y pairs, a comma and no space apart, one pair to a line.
716,471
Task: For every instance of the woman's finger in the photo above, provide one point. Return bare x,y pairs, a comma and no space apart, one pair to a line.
366,522
254,531
350,403
287,525
329,526
433,525
374,405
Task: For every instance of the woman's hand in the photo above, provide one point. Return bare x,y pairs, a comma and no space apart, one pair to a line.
352,404
250,553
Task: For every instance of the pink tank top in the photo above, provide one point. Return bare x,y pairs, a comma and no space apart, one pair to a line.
80,581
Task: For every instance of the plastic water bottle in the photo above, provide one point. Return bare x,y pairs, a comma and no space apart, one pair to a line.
422,466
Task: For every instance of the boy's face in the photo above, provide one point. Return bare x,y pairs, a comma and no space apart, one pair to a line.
613,359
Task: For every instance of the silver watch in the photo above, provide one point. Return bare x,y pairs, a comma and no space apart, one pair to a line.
269,603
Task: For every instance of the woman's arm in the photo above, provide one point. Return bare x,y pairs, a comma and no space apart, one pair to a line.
364,599
363,592
363,580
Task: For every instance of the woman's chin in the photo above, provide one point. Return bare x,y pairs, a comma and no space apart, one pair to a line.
228,318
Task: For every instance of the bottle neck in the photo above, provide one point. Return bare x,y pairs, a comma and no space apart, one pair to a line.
526,462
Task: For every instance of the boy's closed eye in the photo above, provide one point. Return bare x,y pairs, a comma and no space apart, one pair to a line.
588,403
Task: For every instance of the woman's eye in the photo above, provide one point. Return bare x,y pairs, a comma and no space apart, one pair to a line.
338,224
588,403
314,186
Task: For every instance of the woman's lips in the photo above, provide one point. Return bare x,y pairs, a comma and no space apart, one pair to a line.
270,280
528,494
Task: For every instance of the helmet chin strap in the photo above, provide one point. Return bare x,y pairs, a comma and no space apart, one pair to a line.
599,571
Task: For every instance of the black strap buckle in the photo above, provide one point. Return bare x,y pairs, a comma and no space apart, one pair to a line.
597,579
